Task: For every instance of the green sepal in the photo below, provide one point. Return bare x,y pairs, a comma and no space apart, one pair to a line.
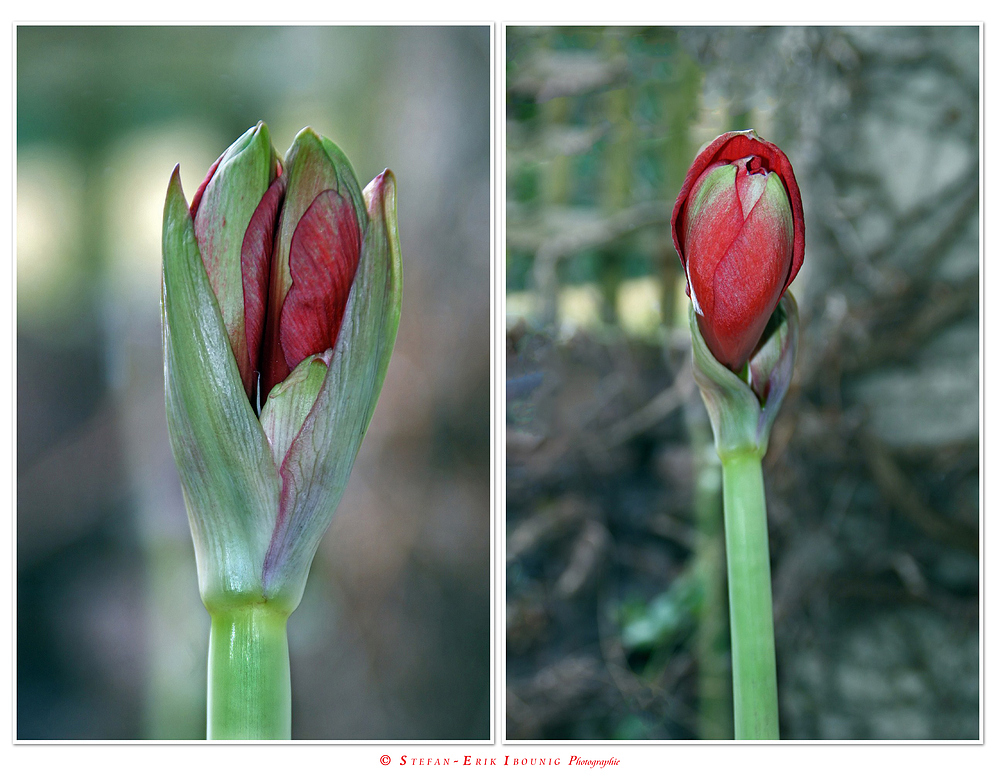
380,201
244,173
289,403
772,365
230,482
742,420
319,462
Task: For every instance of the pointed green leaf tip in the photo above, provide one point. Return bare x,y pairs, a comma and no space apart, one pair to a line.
224,461
380,200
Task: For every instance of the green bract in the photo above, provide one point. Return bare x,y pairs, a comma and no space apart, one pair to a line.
742,411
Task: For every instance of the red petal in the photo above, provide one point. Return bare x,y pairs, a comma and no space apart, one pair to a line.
255,261
749,187
748,284
734,146
708,238
322,260
201,188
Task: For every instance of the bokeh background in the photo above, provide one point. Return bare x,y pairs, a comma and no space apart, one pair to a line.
617,622
391,640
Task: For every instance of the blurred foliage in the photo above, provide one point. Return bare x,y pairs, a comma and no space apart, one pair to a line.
392,637
666,619
617,617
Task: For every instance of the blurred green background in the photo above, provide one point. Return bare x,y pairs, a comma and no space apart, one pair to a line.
617,625
392,638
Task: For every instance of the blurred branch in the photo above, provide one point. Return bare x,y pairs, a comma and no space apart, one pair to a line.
906,497
556,694
556,521
664,403
929,231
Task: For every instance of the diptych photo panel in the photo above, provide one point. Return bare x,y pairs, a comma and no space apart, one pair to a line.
742,383
498,394
253,394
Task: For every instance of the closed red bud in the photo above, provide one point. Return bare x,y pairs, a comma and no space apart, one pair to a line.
740,234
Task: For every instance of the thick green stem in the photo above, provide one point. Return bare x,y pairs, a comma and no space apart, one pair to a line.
249,686
755,687
715,705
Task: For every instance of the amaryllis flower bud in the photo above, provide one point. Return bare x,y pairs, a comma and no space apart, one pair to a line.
281,295
740,234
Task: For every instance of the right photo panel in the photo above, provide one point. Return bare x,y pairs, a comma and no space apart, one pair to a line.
742,299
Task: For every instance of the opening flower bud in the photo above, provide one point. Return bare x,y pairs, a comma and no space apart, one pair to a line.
740,234
281,295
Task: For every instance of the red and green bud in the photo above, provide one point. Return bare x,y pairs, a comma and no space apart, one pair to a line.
233,237
281,294
739,231
316,254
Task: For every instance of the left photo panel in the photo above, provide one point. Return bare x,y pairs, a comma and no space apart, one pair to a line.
253,383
